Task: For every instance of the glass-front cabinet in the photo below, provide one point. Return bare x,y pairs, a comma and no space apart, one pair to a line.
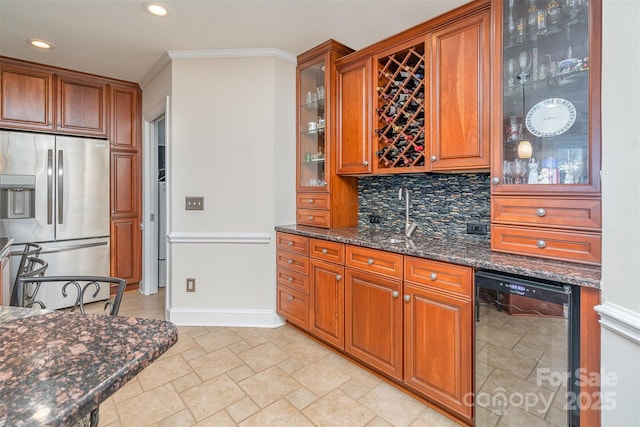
322,198
546,133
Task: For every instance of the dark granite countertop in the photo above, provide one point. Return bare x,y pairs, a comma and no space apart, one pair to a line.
56,367
469,251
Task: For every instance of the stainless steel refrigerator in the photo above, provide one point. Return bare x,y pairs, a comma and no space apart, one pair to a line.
54,190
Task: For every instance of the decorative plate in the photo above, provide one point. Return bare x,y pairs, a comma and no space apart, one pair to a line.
551,117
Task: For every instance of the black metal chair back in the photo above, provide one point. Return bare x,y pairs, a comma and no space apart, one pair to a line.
31,250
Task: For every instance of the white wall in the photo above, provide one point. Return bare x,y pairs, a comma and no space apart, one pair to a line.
620,310
232,139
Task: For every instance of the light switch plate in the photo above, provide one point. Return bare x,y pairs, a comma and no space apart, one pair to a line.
194,203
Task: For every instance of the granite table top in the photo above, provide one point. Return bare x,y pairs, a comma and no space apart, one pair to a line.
56,367
468,251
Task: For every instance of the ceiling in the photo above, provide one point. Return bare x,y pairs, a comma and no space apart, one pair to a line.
118,39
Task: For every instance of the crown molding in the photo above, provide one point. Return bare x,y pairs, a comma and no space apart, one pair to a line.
232,53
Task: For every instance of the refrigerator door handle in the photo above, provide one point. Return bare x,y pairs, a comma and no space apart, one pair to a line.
49,186
60,186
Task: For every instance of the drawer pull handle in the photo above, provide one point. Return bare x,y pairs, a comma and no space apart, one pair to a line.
495,180
289,243
365,163
541,212
289,261
407,298
338,277
311,200
395,294
290,279
310,217
433,276
541,244
290,298
370,261
324,251
434,158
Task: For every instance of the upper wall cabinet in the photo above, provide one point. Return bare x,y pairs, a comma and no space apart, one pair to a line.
546,130
26,97
426,107
125,116
81,105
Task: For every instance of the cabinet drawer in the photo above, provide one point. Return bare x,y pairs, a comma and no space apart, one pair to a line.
375,261
295,262
440,275
293,306
312,201
568,213
312,217
292,243
293,279
554,244
326,250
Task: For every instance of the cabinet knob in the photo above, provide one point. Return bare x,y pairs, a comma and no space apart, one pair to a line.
324,251
289,243
310,217
338,277
395,294
541,212
541,244
290,279
495,180
433,276
310,200
407,298
289,261
365,163
290,298
370,261
434,158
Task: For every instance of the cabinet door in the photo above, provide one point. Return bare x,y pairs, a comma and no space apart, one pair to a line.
438,347
460,83
125,117
353,119
327,302
81,106
26,98
126,249
373,321
124,184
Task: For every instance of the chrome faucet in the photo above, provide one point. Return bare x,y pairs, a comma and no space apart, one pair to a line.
409,226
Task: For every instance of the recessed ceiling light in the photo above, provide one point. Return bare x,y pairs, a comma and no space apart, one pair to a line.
40,44
155,9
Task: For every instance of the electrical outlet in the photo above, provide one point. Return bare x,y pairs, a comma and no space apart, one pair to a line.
374,219
476,228
191,285
192,203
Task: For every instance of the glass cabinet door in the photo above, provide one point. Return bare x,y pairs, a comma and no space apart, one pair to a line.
312,123
546,88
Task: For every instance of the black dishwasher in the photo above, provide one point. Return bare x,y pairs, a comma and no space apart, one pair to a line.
527,351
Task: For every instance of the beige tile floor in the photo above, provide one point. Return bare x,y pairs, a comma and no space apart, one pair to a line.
219,376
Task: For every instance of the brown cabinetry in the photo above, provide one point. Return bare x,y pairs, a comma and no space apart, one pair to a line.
292,274
26,97
438,337
546,197
334,199
81,105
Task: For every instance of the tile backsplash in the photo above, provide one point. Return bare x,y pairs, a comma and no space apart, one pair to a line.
441,204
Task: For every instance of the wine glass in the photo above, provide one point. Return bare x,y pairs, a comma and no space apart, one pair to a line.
524,62
554,12
511,27
518,170
572,8
511,70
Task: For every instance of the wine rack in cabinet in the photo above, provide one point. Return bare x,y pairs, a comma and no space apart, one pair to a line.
400,109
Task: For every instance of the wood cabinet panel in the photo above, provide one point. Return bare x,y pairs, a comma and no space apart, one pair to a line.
374,261
126,249
441,275
26,98
292,243
566,212
125,117
125,196
294,262
460,85
81,105
316,218
292,279
327,302
353,118
327,251
312,201
293,306
438,341
373,321
553,244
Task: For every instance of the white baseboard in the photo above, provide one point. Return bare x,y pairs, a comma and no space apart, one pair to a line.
620,320
217,317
